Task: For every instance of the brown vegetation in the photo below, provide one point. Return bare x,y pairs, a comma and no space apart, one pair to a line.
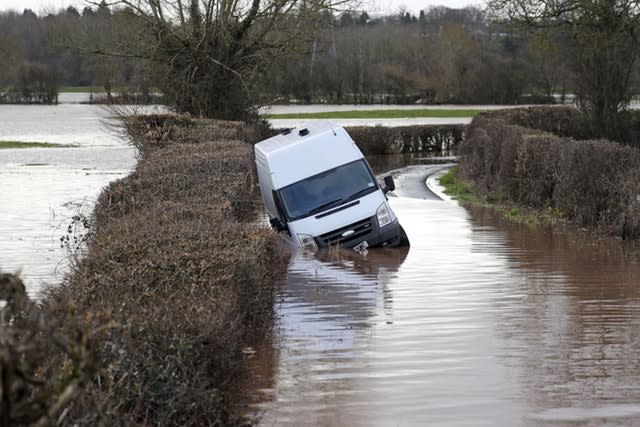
205,59
46,356
593,183
185,277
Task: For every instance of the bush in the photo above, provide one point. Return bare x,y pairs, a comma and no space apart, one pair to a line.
406,139
44,365
188,279
559,120
569,122
594,183
147,131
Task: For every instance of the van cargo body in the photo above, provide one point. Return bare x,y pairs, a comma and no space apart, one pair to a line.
319,190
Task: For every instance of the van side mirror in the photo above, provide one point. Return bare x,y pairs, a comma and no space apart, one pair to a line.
389,185
277,224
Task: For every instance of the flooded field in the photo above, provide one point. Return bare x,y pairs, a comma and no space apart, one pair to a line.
43,188
480,323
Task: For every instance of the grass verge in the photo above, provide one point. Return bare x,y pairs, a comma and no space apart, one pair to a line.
382,114
81,89
460,189
26,144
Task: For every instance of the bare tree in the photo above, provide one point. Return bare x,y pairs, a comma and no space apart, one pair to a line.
543,50
603,51
209,53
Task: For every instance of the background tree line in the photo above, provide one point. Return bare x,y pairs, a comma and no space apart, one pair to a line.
40,54
441,56
222,58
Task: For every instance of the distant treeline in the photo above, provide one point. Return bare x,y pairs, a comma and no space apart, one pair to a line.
40,54
440,56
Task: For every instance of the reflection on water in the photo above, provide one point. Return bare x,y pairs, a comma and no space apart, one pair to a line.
481,323
580,345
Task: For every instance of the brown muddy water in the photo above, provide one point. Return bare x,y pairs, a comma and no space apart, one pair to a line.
480,323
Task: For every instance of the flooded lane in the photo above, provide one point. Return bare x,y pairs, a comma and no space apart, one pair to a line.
480,323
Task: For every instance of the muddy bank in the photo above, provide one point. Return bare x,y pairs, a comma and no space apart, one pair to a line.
182,278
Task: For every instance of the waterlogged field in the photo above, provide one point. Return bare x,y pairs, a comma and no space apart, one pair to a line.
383,114
282,116
54,162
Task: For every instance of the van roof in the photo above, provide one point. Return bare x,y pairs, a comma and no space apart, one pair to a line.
306,151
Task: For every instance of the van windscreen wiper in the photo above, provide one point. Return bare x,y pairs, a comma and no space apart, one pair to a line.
360,193
325,206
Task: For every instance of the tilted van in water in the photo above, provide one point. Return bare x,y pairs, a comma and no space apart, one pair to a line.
320,191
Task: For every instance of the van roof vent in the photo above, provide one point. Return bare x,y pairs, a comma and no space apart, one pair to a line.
286,131
303,132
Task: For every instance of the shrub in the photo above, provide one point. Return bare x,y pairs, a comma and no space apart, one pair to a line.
147,131
591,182
46,356
406,139
187,278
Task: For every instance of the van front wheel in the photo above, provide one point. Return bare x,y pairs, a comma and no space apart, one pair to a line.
402,239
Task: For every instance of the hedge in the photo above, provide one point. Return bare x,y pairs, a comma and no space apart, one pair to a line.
185,274
593,183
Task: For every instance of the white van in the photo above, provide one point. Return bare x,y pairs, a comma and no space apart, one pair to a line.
319,190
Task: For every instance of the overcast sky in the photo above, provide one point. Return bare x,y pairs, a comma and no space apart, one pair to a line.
375,6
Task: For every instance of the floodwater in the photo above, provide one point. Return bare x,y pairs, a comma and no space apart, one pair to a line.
480,323
41,189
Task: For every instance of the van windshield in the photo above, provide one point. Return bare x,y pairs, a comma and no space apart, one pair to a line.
327,190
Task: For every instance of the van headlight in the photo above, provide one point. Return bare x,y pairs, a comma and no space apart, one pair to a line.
384,215
307,241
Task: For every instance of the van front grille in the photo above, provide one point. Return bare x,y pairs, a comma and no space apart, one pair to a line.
336,237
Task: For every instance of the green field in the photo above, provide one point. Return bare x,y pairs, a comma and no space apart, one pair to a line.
24,144
81,89
381,114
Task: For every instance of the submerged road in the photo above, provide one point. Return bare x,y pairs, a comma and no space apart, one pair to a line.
480,322
412,181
